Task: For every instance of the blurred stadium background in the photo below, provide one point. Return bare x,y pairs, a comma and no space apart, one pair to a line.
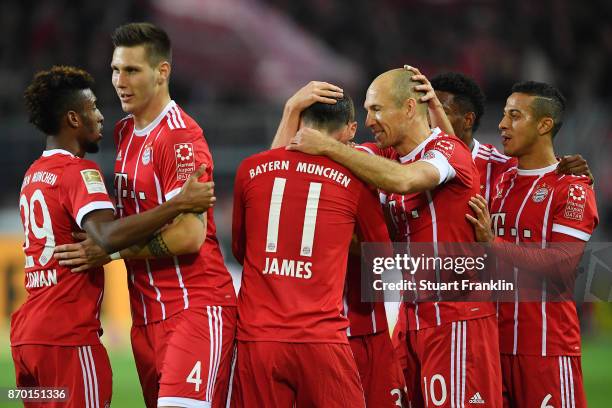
235,63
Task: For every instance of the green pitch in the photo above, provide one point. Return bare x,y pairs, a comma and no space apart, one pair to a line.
596,359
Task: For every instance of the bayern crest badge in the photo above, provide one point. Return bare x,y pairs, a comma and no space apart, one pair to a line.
540,194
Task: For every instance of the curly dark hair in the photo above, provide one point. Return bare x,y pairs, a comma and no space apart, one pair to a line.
467,94
548,102
54,92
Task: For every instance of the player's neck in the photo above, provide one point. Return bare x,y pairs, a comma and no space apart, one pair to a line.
537,159
64,143
416,135
151,111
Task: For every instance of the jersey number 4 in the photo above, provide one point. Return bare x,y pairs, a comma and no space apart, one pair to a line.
310,216
40,231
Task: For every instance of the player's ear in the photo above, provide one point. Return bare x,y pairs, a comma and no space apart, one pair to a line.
410,107
352,129
164,72
73,119
545,125
468,120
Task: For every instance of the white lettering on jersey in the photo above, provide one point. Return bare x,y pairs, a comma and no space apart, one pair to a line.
269,166
39,279
320,170
288,267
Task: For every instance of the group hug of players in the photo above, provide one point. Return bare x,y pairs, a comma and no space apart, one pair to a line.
298,333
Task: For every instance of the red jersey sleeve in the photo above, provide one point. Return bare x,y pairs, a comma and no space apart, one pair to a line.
177,154
454,152
238,227
574,209
84,190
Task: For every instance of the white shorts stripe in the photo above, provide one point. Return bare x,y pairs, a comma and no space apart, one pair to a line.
452,367
90,394
561,382
571,380
218,346
458,366
231,378
94,374
212,351
85,376
463,353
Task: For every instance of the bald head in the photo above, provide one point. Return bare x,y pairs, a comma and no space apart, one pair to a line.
399,85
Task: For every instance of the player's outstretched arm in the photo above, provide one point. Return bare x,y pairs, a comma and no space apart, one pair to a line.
437,116
105,235
185,235
379,172
115,234
314,91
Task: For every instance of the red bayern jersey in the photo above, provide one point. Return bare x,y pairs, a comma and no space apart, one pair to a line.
491,164
62,308
152,165
364,317
294,216
435,216
540,206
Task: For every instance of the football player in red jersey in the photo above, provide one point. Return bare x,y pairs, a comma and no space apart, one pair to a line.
182,297
368,331
55,334
463,102
425,195
539,341
294,216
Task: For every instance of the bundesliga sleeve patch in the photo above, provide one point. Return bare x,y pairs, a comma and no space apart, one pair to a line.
446,147
185,160
576,201
93,181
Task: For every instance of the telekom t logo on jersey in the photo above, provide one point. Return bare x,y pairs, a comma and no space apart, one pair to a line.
498,220
122,190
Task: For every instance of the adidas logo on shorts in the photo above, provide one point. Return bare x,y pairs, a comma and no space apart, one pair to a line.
476,399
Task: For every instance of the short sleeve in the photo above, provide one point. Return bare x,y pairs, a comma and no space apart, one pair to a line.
84,190
452,159
575,209
177,154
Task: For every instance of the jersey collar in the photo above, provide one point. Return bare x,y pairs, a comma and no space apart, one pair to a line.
48,153
147,129
538,172
410,156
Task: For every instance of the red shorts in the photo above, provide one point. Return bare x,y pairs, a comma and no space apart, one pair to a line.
380,373
184,361
453,365
535,381
84,370
276,374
